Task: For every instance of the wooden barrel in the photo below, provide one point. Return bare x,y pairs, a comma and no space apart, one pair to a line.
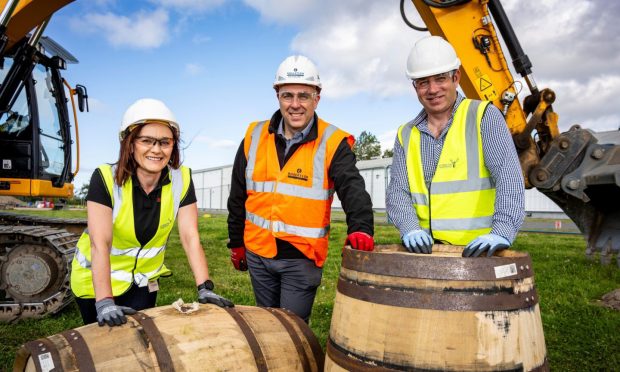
400,311
243,338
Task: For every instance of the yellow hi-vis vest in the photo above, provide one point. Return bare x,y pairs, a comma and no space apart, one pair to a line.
461,201
293,203
130,262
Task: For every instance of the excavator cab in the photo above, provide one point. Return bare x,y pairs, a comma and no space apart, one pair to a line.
35,127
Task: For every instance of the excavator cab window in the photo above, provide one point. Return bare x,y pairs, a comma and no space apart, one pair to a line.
34,129
51,141
15,122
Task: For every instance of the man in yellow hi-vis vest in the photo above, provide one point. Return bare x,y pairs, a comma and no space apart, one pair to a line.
283,181
455,176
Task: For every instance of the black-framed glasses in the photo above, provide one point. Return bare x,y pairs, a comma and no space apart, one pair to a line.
148,141
302,97
440,79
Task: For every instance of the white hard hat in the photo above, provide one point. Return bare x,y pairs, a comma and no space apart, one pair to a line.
146,110
297,70
430,56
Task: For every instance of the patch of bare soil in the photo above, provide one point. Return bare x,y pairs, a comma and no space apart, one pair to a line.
612,299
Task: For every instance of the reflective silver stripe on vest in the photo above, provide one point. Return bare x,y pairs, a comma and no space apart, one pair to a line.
117,197
279,226
249,168
141,279
82,260
419,199
131,252
416,198
176,177
318,171
137,252
314,192
447,224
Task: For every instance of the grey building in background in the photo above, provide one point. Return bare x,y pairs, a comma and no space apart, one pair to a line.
213,187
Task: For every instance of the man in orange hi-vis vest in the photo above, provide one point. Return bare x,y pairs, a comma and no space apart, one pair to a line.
285,174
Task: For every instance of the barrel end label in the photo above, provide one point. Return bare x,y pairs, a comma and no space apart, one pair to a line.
505,270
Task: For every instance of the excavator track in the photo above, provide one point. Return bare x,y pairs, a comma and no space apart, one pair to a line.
73,225
35,267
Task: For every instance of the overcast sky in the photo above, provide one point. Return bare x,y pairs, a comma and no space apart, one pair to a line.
213,62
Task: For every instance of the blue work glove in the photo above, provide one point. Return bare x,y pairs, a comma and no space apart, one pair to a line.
485,243
110,314
206,296
418,241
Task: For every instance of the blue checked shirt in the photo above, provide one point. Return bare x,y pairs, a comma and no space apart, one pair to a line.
500,157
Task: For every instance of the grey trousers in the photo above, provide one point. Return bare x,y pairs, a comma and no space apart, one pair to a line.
286,283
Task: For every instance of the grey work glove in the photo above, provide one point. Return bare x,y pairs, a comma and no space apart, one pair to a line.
418,241
111,314
485,243
206,296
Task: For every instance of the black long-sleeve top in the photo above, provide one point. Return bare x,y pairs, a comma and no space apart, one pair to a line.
348,183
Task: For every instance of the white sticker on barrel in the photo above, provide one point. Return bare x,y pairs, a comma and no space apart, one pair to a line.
505,270
46,362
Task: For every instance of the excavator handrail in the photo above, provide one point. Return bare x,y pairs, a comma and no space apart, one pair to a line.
75,120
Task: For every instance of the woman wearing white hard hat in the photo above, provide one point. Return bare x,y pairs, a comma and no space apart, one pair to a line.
132,205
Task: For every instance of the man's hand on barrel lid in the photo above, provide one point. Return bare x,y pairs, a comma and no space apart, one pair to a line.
360,240
418,241
489,243
207,296
111,314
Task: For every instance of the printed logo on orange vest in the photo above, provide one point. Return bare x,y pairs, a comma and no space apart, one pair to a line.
298,175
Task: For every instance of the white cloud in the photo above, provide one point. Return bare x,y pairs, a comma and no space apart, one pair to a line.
386,139
360,46
143,30
193,69
593,104
189,5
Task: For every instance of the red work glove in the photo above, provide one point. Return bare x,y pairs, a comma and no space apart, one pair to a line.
360,240
237,257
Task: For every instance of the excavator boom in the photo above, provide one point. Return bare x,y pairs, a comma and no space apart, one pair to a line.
24,15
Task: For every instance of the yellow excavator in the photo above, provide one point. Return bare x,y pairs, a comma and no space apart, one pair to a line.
579,169
37,138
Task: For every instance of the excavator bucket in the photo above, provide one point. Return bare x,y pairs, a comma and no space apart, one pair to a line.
580,173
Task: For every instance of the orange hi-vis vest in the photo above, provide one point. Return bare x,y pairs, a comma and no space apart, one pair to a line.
293,203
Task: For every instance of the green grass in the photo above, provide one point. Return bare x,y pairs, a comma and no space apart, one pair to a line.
580,334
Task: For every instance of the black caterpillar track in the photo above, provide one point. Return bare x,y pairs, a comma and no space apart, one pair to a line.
35,267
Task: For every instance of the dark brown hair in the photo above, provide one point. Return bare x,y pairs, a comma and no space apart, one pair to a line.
126,165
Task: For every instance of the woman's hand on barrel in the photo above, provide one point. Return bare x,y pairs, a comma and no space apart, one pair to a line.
206,296
489,243
111,314
418,241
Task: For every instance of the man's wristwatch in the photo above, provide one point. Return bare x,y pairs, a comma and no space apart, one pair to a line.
208,285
